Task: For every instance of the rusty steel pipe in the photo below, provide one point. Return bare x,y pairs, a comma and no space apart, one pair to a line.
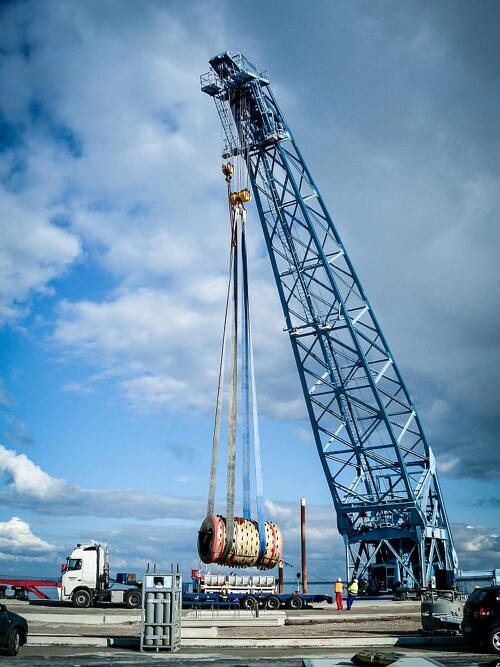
303,543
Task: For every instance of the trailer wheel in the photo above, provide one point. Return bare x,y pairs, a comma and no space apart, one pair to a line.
294,602
273,602
249,602
81,598
133,599
13,642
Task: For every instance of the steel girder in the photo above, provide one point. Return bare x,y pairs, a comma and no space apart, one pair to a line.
378,465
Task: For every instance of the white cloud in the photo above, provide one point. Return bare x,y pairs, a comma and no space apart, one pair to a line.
17,539
32,253
279,512
32,489
134,324
448,463
155,390
478,547
27,478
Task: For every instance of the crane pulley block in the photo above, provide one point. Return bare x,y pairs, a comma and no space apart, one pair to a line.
241,197
227,170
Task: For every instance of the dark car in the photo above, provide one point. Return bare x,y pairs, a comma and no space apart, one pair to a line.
13,630
481,624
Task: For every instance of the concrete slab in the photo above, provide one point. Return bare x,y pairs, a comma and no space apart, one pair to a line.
190,620
81,619
268,622
295,642
65,640
208,638
234,615
200,635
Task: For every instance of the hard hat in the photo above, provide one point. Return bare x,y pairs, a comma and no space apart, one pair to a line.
355,581
339,579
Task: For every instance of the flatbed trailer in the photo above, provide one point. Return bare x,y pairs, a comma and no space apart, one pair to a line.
243,591
24,585
271,601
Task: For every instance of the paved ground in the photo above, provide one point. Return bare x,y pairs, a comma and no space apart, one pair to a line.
317,632
65,657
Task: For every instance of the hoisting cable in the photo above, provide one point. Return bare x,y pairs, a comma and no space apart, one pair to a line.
245,394
248,346
233,396
227,170
238,541
218,408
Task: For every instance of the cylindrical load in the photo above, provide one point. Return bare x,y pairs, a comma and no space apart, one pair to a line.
212,539
274,546
245,549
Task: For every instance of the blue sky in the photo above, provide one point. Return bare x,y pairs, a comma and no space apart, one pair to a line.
113,255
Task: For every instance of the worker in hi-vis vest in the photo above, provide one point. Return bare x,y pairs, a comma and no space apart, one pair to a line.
338,588
352,591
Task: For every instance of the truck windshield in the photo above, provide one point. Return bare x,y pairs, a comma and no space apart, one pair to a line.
73,564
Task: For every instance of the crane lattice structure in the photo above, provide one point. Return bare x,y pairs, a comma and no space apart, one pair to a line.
379,467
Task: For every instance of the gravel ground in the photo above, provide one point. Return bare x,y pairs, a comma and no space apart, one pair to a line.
347,627
341,625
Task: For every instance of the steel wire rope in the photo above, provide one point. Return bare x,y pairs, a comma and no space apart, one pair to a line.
220,388
233,395
220,384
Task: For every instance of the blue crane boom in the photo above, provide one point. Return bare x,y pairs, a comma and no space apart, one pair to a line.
380,469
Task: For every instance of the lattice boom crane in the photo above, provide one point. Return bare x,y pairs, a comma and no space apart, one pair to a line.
378,464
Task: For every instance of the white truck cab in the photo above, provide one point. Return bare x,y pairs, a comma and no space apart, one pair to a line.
85,579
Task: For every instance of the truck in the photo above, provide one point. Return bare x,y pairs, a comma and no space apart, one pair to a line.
244,592
85,580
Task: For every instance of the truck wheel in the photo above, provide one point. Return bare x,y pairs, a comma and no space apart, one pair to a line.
81,598
133,599
249,602
273,602
294,602
13,642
